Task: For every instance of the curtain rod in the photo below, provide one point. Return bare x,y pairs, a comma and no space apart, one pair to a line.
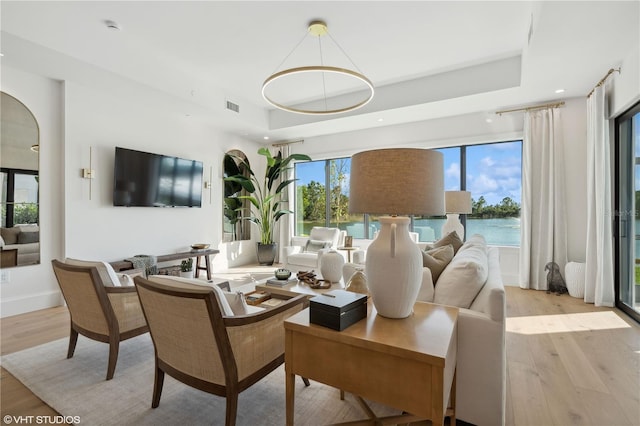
277,144
601,82
551,105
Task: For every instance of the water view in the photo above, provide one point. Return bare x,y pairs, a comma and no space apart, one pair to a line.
499,232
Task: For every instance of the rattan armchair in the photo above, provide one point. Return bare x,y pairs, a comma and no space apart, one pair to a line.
195,344
105,314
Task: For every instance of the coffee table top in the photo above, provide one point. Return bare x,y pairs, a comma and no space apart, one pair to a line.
296,288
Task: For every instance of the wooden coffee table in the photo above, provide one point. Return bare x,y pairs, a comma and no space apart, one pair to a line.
297,288
408,364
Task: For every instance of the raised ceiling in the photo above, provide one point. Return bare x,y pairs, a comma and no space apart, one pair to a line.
427,59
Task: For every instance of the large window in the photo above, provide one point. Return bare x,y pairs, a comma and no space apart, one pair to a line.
491,172
627,212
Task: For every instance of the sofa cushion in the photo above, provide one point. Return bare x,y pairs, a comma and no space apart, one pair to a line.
1,241
309,260
437,259
476,240
107,273
231,303
28,237
320,233
451,238
463,278
10,235
314,246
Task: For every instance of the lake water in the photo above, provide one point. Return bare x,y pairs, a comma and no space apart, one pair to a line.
502,232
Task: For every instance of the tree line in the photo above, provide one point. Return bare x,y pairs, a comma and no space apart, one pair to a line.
313,199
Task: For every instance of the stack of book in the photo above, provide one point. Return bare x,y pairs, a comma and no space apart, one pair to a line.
281,283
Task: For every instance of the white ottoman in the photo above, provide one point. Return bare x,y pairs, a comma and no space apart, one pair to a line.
574,274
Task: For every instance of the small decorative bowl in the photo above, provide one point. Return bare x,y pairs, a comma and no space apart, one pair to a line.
282,274
200,246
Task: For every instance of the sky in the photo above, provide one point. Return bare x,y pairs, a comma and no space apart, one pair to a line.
493,171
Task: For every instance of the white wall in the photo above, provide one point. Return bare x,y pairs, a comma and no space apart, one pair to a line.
73,118
626,87
33,287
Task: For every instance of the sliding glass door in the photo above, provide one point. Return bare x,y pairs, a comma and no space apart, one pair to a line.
628,217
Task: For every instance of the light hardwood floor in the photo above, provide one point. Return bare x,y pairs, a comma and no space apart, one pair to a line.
568,363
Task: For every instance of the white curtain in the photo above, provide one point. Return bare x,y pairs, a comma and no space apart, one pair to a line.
543,235
599,286
285,224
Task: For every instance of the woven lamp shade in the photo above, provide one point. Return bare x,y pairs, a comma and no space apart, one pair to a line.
457,202
397,181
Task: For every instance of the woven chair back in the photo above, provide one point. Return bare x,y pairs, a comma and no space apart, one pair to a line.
181,323
85,297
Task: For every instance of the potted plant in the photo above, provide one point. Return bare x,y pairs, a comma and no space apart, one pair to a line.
266,197
186,268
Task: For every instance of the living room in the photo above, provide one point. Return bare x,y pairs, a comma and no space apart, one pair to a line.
87,105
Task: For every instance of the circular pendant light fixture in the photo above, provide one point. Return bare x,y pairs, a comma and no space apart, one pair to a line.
351,100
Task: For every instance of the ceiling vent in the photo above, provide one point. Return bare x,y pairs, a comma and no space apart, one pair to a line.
233,107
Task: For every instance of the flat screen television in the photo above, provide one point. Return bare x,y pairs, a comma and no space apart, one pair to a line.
143,179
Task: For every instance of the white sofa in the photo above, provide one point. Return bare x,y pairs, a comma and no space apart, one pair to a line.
305,253
481,359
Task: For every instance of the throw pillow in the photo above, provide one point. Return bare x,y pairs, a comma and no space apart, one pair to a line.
223,303
28,237
437,259
107,273
451,238
1,241
237,302
462,280
10,235
425,294
125,280
314,246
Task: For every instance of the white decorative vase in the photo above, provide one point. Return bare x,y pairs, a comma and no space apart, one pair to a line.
331,264
394,269
186,274
453,224
574,275
357,283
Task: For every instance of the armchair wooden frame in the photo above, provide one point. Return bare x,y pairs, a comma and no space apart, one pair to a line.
199,346
106,314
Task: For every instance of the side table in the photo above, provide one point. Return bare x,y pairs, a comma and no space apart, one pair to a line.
348,250
408,364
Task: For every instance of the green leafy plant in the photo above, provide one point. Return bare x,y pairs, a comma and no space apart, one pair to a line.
186,265
266,196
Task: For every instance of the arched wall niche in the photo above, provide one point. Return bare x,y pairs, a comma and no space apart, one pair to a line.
234,207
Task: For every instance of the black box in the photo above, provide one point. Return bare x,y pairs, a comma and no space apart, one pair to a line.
337,309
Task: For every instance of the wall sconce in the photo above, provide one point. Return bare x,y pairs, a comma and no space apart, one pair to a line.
88,173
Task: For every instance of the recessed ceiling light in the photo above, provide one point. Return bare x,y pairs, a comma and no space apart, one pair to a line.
380,120
266,138
489,120
1,54
560,91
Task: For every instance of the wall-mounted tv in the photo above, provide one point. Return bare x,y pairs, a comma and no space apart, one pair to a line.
143,179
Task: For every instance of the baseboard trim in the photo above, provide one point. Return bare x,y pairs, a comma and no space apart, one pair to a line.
33,302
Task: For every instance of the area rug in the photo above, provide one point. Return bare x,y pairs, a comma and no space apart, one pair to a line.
77,387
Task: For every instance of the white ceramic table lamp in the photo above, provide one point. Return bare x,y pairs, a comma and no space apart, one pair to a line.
398,181
456,203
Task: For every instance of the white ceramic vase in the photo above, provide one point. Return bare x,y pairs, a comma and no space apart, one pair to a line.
331,264
394,269
453,224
